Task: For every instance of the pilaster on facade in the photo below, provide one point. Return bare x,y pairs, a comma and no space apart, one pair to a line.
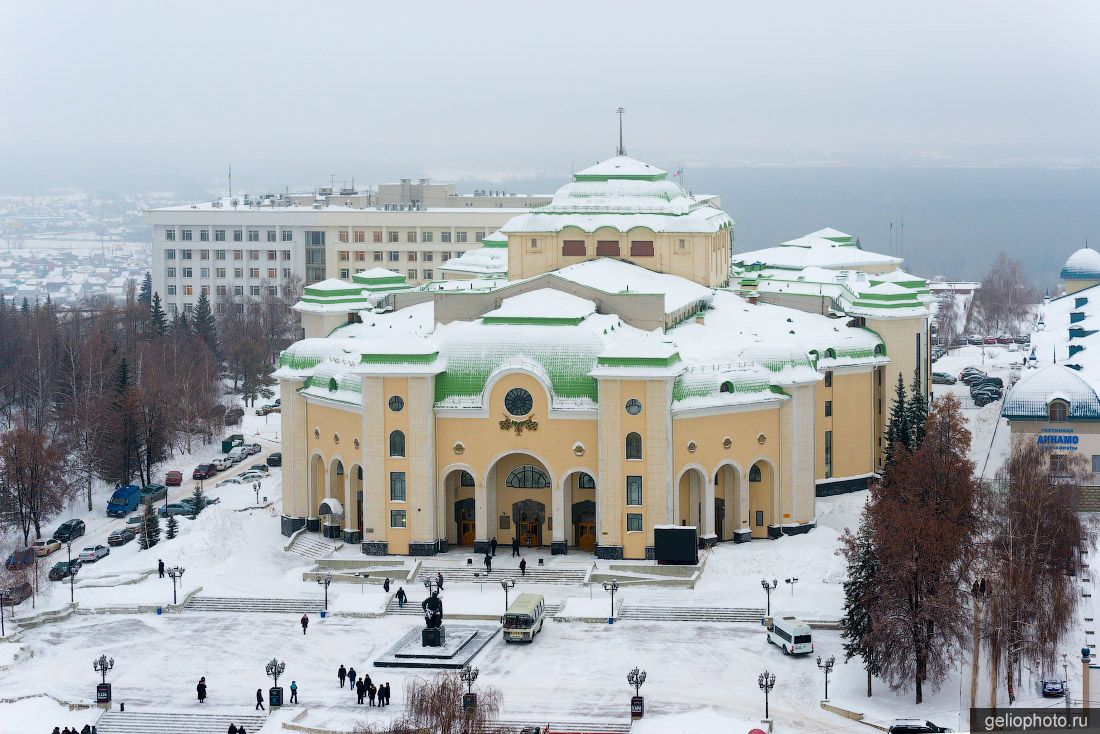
375,489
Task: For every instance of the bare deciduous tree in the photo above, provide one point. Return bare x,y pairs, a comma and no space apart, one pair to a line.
435,705
1002,303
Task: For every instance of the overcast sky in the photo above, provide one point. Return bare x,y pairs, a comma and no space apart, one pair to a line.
299,90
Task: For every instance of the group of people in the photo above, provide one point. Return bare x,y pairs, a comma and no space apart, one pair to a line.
491,553
234,729
364,687
88,729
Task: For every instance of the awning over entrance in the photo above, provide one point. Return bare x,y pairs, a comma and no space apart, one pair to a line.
331,507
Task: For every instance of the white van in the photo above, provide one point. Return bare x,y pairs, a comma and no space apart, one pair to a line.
237,454
791,634
524,618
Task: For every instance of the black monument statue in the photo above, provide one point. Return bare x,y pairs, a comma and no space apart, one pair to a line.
434,633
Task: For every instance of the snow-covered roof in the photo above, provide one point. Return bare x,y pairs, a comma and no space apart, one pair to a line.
825,248
621,166
541,306
484,261
1082,265
617,276
1031,395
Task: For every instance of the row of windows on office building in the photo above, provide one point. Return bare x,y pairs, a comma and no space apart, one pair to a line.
223,290
186,254
220,235
412,236
221,273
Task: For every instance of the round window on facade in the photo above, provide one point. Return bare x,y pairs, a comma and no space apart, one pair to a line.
397,404
518,402
634,406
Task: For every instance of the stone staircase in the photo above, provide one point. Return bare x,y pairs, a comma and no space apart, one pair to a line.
175,722
412,607
569,727
312,546
258,605
535,574
647,613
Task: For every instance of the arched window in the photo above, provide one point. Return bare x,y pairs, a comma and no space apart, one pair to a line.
466,479
397,443
880,350
633,445
332,384
1058,411
754,473
528,477
585,481
726,387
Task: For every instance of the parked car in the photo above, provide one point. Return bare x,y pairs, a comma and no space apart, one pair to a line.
153,493
974,340
989,340
1022,339
69,531
265,409
915,726
134,522
221,463
20,559
93,553
173,478
204,471
1053,689
124,500
990,380
17,593
233,416
46,547
983,400
238,454
230,480
64,569
262,468
942,378
252,476
253,448
275,459
174,508
122,536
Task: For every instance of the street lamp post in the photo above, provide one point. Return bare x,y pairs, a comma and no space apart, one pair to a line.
275,668
636,678
507,584
612,586
766,682
768,588
103,665
325,581
826,666
72,573
176,574
431,585
469,700
792,581
1065,678
256,487
4,599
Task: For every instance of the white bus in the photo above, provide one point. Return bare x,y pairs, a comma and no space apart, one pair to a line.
791,634
524,618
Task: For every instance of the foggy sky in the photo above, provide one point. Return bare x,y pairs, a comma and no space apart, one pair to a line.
291,92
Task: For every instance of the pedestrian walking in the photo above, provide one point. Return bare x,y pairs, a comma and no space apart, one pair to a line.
401,598
351,678
86,729
488,563
386,585
341,674
259,701
160,567
240,729
232,728
515,546
493,547
372,691
294,691
522,566
360,690
439,580
305,622
387,693
201,689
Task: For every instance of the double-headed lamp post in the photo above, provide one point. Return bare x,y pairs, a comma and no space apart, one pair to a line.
507,584
325,581
176,574
767,683
102,665
792,581
826,666
612,586
768,588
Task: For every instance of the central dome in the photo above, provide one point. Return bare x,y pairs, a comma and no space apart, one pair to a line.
1082,265
622,185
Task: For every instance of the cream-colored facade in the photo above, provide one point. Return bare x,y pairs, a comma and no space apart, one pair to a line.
586,400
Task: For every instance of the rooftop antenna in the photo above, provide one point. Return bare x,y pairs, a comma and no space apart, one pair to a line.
621,150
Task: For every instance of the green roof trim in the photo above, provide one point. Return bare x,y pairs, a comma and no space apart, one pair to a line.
534,320
327,293
668,361
621,176
360,278
398,358
335,300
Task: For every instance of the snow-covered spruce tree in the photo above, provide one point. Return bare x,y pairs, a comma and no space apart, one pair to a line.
149,533
859,597
145,294
158,317
172,528
205,326
897,428
198,500
916,412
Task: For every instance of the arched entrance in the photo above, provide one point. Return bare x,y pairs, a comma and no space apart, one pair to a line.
578,503
336,489
761,498
520,489
318,490
584,525
691,510
459,504
727,502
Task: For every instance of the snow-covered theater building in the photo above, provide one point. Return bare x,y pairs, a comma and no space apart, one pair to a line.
600,367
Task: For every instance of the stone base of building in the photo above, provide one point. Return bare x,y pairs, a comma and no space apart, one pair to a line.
313,524
375,548
290,525
559,548
742,536
332,531
708,541
609,552
442,546
775,531
481,546
829,489
650,553
353,537
423,549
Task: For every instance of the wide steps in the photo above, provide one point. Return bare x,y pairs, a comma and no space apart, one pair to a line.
535,575
258,605
312,547
691,614
569,727
412,607
166,722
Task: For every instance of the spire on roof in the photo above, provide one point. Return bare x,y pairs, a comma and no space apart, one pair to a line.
620,150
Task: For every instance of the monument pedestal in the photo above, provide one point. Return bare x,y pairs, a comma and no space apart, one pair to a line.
433,636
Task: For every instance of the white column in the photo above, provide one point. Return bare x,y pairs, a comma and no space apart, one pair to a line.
708,506
557,502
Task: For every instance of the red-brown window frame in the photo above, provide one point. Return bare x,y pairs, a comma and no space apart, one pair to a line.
607,248
574,248
641,248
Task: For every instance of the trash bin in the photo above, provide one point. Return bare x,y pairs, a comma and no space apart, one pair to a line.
160,610
324,613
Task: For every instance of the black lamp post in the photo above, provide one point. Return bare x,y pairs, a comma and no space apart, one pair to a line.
792,581
72,573
768,588
176,574
325,581
102,665
469,700
4,599
507,584
766,681
636,678
431,585
612,586
827,666
275,669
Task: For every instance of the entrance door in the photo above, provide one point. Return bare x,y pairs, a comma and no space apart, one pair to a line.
586,535
466,532
719,516
530,533
464,519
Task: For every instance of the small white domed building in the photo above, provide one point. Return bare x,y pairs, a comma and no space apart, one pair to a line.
1082,270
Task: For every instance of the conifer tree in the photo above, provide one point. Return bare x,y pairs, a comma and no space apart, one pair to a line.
198,500
205,326
859,597
180,325
897,430
145,295
916,412
150,527
158,317
173,527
